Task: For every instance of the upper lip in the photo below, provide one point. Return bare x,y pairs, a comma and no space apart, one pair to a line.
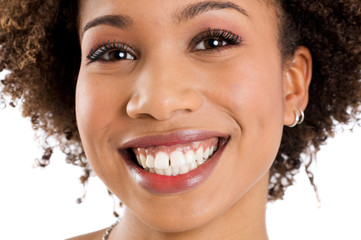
171,138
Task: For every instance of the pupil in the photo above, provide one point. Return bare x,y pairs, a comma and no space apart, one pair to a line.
213,43
120,55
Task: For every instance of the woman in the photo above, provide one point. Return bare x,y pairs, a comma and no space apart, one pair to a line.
193,113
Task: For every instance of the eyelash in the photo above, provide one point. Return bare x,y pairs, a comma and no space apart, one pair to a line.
101,49
229,37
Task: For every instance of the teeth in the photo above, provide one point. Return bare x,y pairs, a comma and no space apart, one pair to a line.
143,161
150,161
184,169
206,154
175,171
180,161
199,155
192,166
138,159
177,159
168,171
190,157
161,160
159,171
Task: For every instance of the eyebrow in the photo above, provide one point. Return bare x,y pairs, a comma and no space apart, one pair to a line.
119,21
196,9
190,11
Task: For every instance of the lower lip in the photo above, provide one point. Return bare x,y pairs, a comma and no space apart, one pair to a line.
160,184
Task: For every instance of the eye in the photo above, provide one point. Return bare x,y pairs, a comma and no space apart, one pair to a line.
111,52
210,44
215,39
115,55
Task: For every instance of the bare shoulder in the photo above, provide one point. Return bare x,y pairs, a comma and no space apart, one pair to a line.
90,236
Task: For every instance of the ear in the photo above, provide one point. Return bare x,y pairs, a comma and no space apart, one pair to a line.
296,81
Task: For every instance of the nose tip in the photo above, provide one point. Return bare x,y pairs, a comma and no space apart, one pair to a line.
163,103
163,86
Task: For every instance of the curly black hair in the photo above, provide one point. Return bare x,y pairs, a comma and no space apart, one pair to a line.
34,34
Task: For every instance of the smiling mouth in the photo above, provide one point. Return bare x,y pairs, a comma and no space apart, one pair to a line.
175,159
173,163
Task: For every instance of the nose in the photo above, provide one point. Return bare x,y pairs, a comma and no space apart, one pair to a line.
162,90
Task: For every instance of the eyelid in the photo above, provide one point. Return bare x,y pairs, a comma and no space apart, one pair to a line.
231,38
102,48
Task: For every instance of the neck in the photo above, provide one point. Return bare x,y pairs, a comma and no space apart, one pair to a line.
244,220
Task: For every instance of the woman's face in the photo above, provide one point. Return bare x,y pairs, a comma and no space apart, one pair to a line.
162,81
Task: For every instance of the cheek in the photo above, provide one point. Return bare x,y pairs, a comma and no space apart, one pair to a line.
250,91
256,103
96,109
100,101
90,111
88,114
251,94
100,117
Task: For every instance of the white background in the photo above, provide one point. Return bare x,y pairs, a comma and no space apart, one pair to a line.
40,203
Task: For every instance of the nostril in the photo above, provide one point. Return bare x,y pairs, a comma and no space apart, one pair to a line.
134,106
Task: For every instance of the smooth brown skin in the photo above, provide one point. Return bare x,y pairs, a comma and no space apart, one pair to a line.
242,91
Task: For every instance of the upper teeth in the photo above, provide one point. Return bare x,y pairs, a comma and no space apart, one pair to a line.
179,161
